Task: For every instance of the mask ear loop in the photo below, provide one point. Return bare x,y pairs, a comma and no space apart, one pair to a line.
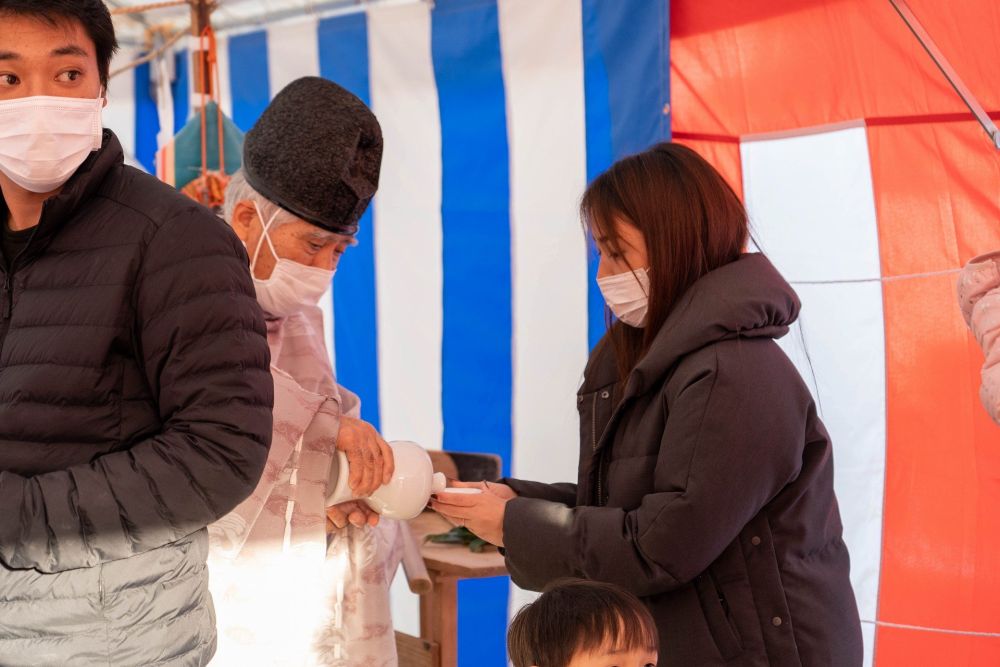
266,237
635,274
100,103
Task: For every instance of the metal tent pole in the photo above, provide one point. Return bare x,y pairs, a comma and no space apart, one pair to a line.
949,72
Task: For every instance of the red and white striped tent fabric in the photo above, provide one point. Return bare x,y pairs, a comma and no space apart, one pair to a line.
869,184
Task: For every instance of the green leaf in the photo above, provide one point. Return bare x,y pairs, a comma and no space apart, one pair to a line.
459,535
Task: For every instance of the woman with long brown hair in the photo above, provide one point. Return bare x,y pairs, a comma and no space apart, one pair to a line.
706,477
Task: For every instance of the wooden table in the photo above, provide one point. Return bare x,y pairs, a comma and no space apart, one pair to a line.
446,564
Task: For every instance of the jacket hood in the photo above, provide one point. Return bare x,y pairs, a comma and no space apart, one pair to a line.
747,298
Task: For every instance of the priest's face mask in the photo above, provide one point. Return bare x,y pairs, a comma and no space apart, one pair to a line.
297,241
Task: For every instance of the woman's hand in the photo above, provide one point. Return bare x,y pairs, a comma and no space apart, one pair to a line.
481,513
495,488
368,456
354,512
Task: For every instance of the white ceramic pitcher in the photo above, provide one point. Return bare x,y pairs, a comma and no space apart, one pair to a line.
406,494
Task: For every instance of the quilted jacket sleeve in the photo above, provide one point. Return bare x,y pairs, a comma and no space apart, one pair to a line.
979,298
562,492
202,341
738,462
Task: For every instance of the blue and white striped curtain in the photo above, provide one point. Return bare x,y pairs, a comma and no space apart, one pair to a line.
465,315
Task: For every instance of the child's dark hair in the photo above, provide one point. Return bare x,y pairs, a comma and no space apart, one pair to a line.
93,15
575,616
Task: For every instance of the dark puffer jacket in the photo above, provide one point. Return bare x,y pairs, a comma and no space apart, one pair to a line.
135,409
706,488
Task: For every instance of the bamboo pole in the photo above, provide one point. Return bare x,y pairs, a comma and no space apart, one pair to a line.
152,55
139,9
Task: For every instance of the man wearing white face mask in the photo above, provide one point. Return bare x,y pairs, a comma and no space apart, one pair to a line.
281,569
135,397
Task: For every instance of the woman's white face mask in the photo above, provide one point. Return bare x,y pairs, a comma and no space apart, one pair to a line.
292,286
627,295
44,140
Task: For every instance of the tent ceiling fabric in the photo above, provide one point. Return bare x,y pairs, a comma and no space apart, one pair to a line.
229,13
859,57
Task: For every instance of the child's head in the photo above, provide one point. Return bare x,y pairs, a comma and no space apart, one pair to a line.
578,623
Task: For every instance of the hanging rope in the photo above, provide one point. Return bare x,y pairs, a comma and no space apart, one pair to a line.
218,106
139,9
210,187
210,73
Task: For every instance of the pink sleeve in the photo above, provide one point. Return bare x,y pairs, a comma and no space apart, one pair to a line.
979,298
980,276
295,411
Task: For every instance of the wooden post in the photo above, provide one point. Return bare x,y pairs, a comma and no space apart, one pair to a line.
439,618
201,17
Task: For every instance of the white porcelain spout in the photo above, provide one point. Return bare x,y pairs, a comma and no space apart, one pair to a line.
406,494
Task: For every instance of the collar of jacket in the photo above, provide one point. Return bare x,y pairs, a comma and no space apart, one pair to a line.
81,187
747,298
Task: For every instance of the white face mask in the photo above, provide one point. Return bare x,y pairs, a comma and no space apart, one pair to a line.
627,295
44,140
292,286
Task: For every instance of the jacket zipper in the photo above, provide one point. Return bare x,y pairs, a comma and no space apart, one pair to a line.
8,283
597,442
8,292
8,304
8,289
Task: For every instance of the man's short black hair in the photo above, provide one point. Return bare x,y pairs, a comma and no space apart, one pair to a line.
93,15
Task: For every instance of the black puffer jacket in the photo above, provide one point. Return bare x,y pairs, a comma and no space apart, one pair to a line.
135,391
706,488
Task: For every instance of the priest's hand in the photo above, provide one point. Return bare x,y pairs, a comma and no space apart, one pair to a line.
353,512
368,456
